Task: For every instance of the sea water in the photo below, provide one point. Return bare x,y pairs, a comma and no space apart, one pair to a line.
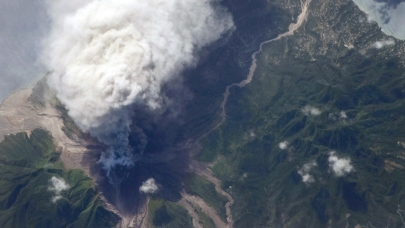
389,14
23,23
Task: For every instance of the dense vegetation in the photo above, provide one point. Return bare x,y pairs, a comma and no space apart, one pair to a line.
27,163
225,63
167,214
366,84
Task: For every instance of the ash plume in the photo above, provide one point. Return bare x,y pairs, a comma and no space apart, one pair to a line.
107,56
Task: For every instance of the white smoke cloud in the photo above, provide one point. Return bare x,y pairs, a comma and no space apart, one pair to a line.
149,186
106,56
283,145
57,185
339,166
382,43
305,170
311,111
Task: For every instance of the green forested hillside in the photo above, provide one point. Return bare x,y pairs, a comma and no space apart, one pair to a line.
358,93
27,164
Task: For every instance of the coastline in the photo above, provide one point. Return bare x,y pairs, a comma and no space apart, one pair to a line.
30,85
388,18
18,113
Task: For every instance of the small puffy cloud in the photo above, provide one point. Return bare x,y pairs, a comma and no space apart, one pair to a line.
338,116
339,166
56,198
283,145
149,186
249,135
57,185
342,115
311,111
382,43
307,178
305,170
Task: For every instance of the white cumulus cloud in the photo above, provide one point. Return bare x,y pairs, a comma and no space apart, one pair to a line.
106,56
149,186
311,111
57,185
339,166
305,170
283,145
382,43
342,115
